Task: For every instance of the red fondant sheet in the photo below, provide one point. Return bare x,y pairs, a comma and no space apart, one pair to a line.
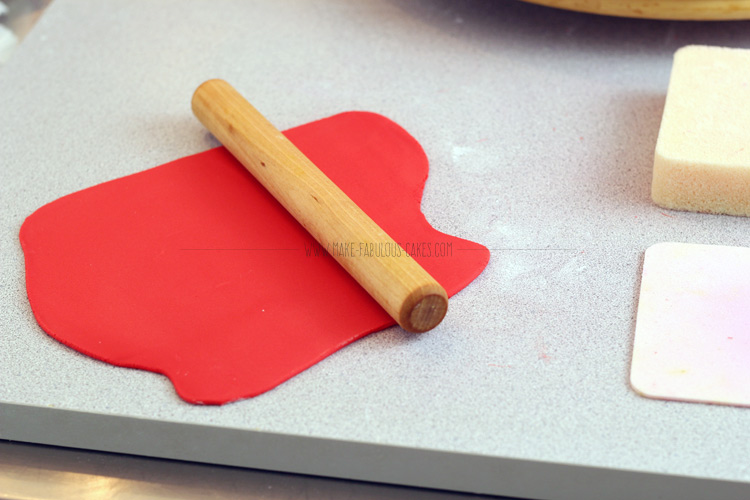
193,270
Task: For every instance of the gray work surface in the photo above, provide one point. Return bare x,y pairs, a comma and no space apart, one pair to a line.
540,127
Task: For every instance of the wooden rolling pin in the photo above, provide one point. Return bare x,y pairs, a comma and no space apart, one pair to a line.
400,285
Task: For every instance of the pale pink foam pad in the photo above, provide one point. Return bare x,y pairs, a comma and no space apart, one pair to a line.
692,334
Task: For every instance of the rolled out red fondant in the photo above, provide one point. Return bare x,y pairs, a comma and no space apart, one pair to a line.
192,270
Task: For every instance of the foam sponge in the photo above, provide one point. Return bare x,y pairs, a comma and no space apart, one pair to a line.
702,160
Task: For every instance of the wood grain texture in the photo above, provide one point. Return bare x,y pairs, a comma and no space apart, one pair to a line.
705,10
396,281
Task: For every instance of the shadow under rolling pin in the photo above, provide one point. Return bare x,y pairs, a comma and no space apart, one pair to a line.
398,283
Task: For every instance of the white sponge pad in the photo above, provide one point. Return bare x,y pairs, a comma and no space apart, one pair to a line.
702,160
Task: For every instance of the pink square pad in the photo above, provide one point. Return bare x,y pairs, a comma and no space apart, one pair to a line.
692,334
